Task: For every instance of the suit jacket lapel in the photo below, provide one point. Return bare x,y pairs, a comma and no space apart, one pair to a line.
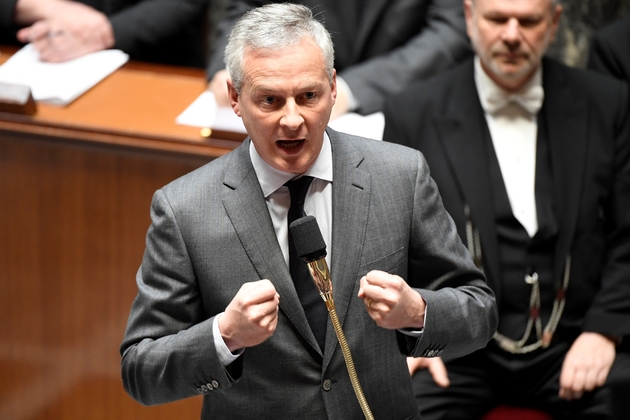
463,132
566,117
244,204
351,193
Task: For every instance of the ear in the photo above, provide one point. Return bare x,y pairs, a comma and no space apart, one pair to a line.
333,85
555,21
233,95
468,12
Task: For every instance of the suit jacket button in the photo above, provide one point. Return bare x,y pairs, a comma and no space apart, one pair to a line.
210,387
199,390
215,384
327,384
204,388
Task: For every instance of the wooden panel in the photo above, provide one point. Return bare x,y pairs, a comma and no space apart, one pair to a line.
75,189
73,218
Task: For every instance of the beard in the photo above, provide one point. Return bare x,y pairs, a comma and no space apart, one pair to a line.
510,66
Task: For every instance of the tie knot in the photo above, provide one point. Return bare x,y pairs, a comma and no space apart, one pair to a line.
531,100
298,188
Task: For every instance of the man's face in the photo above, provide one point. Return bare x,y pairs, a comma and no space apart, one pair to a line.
285,103
511,36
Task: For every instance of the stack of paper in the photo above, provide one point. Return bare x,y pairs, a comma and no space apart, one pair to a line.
59,83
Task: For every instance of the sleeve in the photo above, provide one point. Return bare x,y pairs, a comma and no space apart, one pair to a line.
609,50
7,11
600,57
168,350
396,116
463,309
610,311
441,43
150,22
8,28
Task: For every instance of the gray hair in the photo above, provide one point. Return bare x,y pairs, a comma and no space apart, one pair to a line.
275,26
554,3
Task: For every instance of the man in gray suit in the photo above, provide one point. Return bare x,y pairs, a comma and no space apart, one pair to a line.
217,311
381,46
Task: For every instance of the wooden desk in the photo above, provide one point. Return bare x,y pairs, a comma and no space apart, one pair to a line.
75,190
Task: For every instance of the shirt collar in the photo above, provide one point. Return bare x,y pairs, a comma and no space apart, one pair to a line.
271,179
487,87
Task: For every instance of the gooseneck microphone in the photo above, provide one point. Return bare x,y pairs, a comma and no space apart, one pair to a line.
311,248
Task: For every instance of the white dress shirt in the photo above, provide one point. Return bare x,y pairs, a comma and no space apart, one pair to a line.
318,203
514,134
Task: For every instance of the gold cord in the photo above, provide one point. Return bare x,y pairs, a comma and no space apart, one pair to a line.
321,277
350,364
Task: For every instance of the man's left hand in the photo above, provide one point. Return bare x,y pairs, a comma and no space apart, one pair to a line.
391,302
586,365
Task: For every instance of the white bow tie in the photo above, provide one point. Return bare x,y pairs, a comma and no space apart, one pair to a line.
531,100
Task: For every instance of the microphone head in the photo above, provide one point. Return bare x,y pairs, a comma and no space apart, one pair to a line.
308,240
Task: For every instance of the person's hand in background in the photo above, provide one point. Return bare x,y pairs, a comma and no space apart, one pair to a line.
218,86
63,30
436,368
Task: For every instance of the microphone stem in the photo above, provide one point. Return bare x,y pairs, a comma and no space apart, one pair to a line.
321,277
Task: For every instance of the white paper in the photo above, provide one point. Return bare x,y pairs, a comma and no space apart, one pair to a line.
370,126
59,83
204,112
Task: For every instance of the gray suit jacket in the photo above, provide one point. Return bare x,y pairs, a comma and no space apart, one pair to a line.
390,45
212,232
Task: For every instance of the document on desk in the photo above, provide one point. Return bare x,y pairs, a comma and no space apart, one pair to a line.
59,83
369,126
204,112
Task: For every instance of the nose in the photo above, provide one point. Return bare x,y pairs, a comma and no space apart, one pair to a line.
511,33
291,118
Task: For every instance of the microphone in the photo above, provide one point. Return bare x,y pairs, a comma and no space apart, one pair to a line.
311,248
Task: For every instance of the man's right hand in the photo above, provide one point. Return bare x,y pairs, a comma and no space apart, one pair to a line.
436,367
251,317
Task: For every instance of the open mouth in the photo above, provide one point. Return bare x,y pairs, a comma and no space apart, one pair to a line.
290,144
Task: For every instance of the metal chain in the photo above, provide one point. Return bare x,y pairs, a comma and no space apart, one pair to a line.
544,336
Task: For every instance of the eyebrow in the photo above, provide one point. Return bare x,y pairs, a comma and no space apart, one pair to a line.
268,89
528,16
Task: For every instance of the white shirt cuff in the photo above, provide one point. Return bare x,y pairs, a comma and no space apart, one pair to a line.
417,333
226,357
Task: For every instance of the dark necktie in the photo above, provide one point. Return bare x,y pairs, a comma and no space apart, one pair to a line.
314,306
